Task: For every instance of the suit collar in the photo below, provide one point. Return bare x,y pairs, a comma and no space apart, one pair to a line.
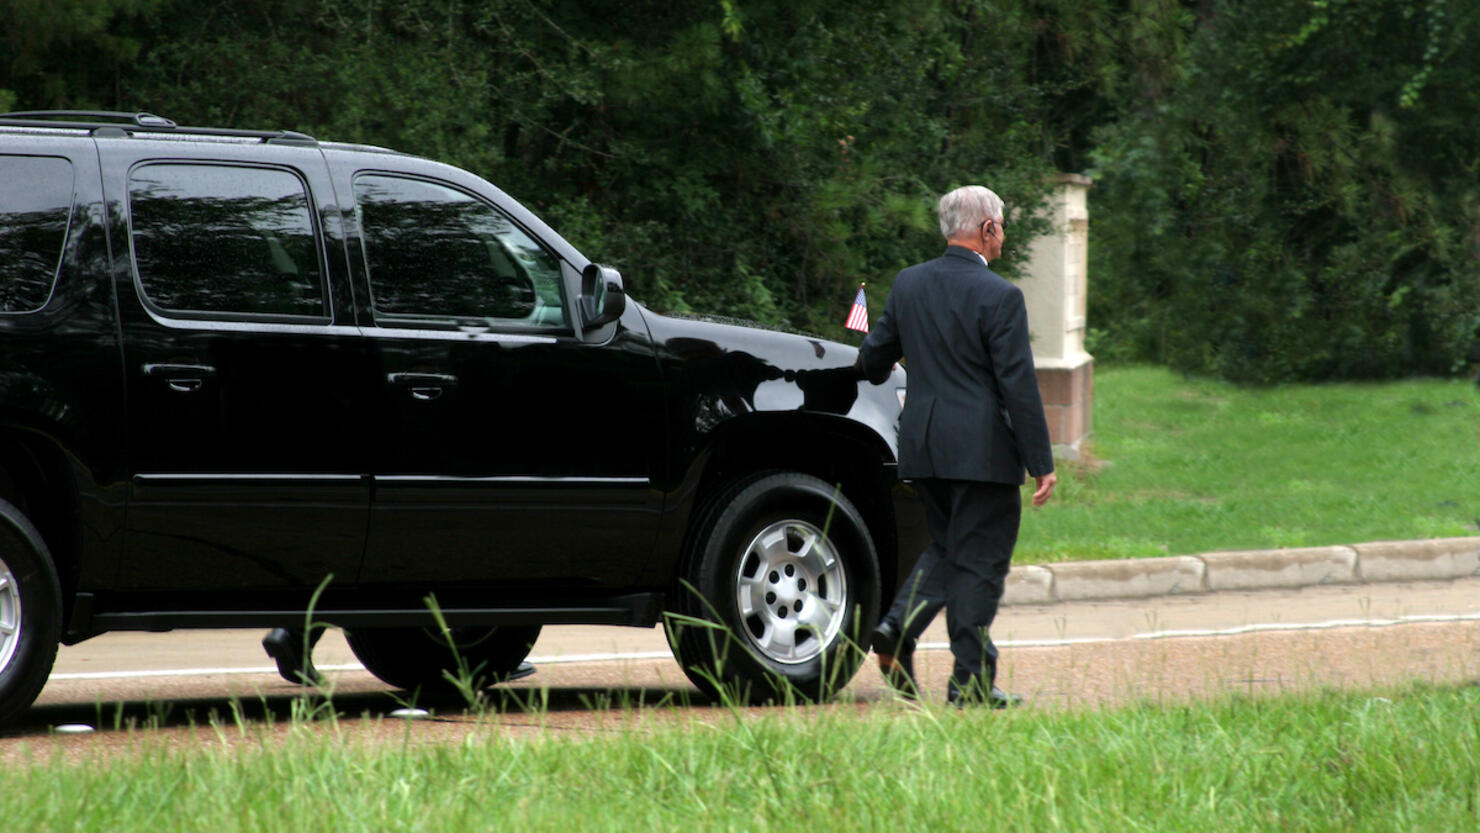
966,254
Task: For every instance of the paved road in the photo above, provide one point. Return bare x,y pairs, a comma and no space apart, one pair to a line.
1059,655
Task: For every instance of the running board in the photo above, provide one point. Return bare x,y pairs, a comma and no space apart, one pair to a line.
638,610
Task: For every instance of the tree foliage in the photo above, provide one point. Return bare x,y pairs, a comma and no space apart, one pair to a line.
1296,195
751,158
1283,190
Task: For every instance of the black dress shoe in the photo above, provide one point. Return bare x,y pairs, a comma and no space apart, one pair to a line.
995,699
286,648
886,642
524,670
999,699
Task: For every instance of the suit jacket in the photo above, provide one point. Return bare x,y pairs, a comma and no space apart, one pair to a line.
972,410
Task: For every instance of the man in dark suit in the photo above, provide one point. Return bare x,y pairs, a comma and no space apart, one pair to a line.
973,421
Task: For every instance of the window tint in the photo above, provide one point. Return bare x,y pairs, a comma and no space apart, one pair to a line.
35,205
436,252
222,239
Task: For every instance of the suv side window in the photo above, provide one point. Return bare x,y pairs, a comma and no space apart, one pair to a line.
435,252
225,239
35,207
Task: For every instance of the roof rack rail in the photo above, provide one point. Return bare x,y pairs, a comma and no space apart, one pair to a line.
97,120
138,119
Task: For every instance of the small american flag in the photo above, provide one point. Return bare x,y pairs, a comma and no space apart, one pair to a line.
858,316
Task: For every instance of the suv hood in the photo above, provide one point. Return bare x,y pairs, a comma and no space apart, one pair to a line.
739,370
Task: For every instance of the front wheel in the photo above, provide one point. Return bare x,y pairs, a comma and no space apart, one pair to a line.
417,657
781,580
30,612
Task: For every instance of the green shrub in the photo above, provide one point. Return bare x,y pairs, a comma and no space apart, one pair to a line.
1301,202
1284,190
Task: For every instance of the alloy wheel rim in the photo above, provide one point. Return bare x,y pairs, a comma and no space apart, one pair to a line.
10,615
791,592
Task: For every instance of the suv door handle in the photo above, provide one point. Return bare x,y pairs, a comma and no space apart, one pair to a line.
183,378
423,386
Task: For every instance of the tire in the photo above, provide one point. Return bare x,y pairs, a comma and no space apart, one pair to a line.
761,564
30,612
411,658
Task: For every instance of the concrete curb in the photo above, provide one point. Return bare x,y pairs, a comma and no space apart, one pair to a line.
1438,559
1129,579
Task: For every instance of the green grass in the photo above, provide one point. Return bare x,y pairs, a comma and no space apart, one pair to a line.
1408,760
1187,466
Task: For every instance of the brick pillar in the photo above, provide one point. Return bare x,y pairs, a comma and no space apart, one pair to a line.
1055,293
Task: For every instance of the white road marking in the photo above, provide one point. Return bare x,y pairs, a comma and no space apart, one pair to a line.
1241,629
187,672
928,646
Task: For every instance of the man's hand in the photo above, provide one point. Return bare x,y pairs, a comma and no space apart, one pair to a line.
1046,483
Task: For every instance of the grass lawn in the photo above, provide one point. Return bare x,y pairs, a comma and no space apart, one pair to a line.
1392,760
1178,466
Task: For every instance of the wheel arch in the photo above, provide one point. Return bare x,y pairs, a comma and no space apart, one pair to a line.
38,479
833,449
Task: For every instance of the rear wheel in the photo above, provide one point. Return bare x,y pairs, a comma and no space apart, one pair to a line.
783,578
30,612
416,657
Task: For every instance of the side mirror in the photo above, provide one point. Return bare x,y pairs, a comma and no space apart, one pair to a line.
602,296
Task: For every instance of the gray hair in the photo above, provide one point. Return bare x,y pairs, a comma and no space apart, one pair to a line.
963,210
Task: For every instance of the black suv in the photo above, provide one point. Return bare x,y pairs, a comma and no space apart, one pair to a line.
239,365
